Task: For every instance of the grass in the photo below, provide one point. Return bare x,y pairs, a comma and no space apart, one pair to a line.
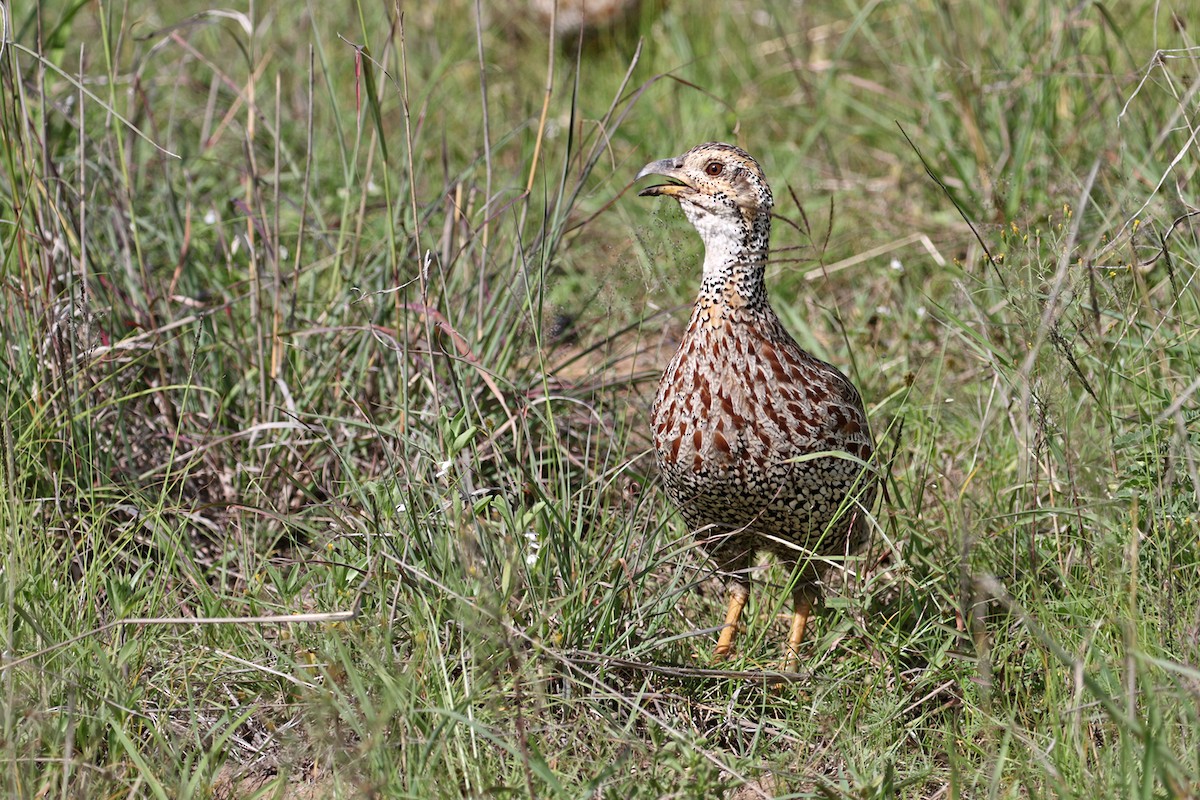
325,373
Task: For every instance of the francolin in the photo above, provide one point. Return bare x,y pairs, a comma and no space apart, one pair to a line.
761,445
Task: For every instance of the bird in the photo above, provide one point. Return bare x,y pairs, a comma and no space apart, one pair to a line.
577,16
761,445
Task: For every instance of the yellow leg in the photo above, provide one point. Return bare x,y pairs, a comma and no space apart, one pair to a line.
737,601
803,608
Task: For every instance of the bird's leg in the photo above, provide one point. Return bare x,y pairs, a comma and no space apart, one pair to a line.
739,593
802,608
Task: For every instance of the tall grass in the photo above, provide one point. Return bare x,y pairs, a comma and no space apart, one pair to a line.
327,346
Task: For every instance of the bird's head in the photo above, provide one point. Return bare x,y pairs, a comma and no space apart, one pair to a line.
720,187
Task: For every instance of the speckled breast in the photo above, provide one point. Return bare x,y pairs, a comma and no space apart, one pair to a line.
740,411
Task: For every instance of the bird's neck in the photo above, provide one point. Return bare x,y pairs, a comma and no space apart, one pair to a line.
734,266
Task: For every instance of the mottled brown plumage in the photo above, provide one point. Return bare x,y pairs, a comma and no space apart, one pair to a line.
742,411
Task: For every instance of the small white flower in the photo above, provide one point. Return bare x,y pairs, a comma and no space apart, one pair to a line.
210,217
443,468
896,265
535,544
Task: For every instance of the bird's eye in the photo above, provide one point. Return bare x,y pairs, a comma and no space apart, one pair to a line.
714,168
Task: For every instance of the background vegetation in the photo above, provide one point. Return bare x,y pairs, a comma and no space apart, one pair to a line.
327,309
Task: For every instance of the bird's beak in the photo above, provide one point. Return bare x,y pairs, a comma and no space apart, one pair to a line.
668,168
